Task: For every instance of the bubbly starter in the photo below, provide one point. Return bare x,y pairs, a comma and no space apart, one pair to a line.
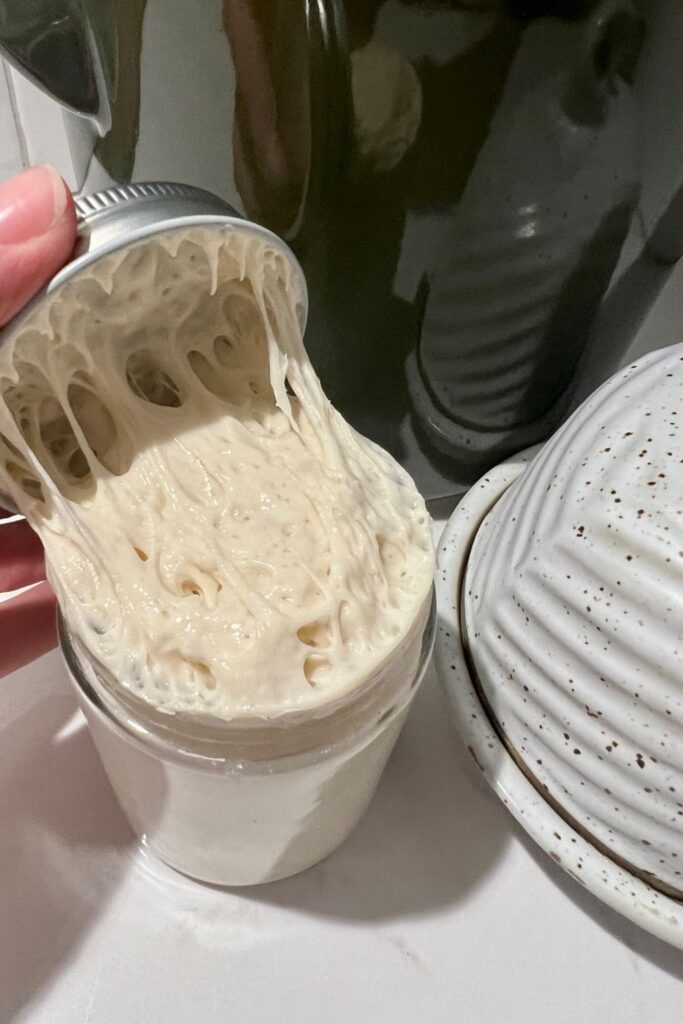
222,543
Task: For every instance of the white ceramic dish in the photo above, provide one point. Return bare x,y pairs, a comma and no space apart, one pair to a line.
571,618
617,887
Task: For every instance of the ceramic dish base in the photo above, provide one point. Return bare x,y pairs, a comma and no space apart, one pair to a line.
615,885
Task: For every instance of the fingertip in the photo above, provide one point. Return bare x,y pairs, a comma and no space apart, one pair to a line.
32,204
22,560
28,628
37,235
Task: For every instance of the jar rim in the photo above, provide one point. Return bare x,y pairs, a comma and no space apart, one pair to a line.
153,731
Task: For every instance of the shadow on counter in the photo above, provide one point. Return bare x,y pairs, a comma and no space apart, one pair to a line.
636,939
428,841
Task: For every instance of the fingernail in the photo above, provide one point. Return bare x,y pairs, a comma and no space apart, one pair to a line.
31,204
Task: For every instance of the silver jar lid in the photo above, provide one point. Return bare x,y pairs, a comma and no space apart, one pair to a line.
106,216
118,216
125,215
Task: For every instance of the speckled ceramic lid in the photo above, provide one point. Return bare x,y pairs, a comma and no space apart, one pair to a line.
573,618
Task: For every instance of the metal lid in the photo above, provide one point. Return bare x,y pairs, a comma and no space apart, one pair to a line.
128,214
123,214
105,216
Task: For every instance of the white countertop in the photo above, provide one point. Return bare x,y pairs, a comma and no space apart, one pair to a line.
438,908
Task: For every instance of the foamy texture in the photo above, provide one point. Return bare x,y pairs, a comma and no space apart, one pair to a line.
218,536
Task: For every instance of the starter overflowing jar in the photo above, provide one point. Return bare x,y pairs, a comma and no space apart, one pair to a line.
244,582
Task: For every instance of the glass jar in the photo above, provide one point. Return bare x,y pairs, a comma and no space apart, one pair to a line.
251,800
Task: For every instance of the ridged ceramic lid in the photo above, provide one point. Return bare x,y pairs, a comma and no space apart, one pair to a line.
573,615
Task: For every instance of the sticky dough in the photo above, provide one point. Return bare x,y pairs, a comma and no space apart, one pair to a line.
219,538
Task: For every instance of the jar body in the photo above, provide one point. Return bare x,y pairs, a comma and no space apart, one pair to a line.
235,821
239,828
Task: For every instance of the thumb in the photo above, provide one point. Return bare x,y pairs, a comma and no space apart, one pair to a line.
37,234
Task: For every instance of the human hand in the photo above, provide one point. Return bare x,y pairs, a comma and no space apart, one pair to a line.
37,235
